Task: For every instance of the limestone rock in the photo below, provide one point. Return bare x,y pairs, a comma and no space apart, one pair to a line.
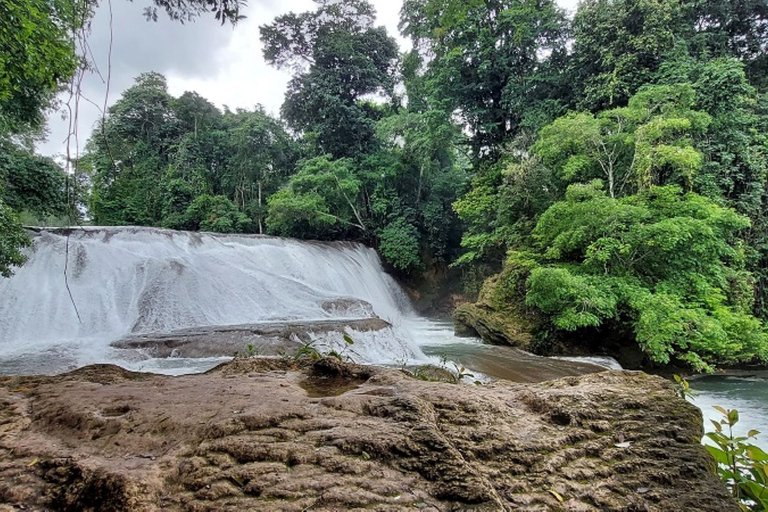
496,327
268,434
266,339
496,317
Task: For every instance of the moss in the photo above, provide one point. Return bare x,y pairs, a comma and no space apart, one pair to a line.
500,316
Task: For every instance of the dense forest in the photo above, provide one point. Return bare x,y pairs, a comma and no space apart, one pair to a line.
608,167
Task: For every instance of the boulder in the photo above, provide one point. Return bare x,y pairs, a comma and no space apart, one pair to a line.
496,317
270,434
496,327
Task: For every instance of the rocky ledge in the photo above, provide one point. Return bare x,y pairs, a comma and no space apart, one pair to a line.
265,339
268,434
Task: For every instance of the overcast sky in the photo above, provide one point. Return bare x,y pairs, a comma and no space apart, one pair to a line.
222,63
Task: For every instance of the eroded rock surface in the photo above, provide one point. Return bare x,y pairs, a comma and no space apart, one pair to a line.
261,434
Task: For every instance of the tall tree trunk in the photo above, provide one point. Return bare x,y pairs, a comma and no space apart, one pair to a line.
261,228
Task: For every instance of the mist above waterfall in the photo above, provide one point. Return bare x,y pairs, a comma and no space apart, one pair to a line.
129,281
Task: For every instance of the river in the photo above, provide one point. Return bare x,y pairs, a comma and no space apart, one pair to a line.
747,393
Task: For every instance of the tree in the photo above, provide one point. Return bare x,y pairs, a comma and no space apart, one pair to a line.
217,214
31,182
735,29
495,63
662,262
618,45
36,58
320,201
648,142
188,10
425,175
262,157
130,150
12,241
399,245
339,57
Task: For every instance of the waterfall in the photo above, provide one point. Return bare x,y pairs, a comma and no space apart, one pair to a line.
131,281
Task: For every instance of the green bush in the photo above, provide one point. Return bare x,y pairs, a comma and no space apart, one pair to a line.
217,214
12,240
662,262
399,245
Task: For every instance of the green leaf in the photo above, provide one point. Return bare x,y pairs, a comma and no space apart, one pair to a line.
756,454
720,456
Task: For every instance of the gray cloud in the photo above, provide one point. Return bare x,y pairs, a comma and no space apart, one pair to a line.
222,63
179,51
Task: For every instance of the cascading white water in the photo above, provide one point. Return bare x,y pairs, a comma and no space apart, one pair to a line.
143,280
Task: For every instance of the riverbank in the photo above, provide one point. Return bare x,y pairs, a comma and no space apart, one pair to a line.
258,433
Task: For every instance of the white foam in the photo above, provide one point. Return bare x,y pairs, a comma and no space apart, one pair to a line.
143,280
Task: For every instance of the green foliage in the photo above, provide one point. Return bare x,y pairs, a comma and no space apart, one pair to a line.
735,29
659,261
648,142
741,465
188,10
217,214
339,58
620,44
36,58
497,64
423,174
399,245
31,182
262,156
320,200
314,350
12,240
182,163
478,209
683,388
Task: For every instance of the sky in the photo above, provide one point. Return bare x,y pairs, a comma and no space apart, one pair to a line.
222,63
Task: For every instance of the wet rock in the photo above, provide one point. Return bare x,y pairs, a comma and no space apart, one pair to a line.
495,317
348,308
252,435
267,339
496,327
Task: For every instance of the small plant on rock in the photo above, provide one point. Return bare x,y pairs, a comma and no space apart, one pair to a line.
308,351
683,388
741,465
311,350
249,352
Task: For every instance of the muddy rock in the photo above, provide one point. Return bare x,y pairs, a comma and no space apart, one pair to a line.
268,434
